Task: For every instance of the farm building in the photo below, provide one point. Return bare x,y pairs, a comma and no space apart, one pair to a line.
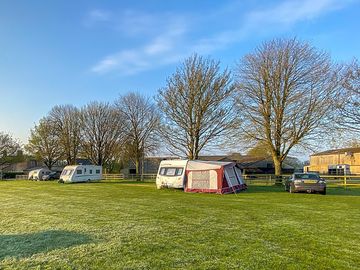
256,164
247,164
151,165
336,161
32,164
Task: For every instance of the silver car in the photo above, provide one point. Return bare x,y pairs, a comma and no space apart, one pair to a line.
305,182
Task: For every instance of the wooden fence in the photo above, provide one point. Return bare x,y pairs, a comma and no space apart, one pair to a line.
132,177
250,179
21,177
267,179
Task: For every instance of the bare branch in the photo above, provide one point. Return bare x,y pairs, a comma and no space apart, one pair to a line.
197,106
287,92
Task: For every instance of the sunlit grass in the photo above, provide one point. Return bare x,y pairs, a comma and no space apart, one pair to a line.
131,225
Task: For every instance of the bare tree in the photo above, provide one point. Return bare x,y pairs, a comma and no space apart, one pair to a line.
67,126
102,132
286,94
349,108
197,106
9,148
141,122
260,149
43,143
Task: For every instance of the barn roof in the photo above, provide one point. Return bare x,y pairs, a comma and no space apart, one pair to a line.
338,151
215,158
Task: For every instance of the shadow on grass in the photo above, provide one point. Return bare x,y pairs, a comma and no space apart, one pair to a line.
26,245
331,190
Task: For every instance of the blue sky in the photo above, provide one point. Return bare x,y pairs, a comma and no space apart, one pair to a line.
73,52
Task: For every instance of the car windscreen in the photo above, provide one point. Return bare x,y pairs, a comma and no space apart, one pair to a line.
304,176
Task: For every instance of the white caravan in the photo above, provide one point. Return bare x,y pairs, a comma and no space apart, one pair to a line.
80,173
38,174
171,174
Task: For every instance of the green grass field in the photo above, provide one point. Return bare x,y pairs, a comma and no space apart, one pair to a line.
45,225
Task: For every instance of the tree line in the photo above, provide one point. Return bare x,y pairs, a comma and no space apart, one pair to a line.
285,94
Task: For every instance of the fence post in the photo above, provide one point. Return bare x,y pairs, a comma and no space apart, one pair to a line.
345,181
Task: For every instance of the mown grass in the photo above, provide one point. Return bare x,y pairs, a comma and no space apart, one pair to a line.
129,225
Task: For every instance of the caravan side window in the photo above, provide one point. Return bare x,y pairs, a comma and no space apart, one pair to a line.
98,171
90,171
78,171
179,171
171,171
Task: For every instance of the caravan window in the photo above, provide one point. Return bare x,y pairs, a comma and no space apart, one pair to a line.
78,171
98,171
90,171
179,171
162,171
64,172
171,171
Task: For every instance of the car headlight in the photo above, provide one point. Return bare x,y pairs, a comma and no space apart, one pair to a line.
297,181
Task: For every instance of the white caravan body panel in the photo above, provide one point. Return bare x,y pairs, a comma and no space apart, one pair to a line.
81,173
38,174
171,174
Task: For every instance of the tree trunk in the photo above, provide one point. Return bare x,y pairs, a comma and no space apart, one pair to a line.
190,155
142,168
137,166
48,165
278,167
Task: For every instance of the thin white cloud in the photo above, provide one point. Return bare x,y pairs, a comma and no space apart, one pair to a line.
275,19
157,52
99,15
290,12
170,41
96,16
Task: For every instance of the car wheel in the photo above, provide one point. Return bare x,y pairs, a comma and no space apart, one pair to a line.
324,192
